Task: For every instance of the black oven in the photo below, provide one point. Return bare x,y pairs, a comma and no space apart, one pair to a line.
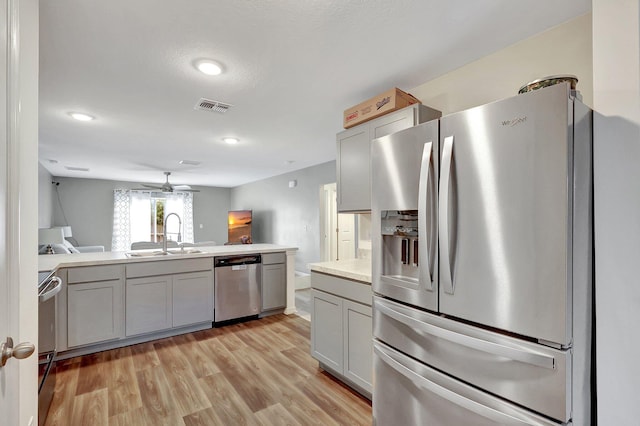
48,286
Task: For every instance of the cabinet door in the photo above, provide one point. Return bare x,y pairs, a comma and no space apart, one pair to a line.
94,312
358,344
393,122
148,304
274,287
326,329
192,298
353,169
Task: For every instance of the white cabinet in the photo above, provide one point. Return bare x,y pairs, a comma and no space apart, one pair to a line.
341,328
149,304
274,281
95,301
192,298
353,159
158,300
327,329
358,343
353,169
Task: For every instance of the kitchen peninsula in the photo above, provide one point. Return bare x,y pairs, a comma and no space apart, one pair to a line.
114,299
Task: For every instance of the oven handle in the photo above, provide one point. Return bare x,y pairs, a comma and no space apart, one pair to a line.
48,292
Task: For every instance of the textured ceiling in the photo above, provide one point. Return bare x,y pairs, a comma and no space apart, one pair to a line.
291,68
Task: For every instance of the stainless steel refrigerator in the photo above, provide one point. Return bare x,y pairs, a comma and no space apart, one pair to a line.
482,266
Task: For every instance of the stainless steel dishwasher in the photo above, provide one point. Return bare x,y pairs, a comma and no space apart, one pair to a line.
237,287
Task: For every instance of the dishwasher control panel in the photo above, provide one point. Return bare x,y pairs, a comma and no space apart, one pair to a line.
237,260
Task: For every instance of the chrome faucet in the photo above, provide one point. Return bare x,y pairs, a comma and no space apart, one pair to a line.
164,240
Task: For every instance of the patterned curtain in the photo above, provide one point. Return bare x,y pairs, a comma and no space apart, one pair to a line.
121,239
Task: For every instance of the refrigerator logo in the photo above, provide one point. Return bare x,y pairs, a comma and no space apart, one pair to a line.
514,122
383,102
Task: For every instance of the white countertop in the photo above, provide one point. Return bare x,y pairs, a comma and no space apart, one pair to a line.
354,269
54,261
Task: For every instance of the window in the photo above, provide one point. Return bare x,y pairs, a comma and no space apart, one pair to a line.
157,219
139,216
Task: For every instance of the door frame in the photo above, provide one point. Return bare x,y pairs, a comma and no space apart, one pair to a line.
19,207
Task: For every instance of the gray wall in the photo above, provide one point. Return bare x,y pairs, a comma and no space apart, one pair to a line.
287,216
88,209
46,199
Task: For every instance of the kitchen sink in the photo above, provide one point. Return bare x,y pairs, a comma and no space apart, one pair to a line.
187,251
163,253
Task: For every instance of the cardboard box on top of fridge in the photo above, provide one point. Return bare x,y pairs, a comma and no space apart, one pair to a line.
386,102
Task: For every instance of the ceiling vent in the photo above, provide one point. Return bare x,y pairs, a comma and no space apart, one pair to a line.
215,106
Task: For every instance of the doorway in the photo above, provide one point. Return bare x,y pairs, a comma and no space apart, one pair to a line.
337,231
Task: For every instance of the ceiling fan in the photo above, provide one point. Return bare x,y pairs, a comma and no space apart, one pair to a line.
167,187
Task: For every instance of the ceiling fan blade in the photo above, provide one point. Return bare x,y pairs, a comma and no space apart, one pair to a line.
167,188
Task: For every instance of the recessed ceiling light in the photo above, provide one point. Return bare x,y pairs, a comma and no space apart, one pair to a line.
81,116
209,67
231,141
76,169
189,162
287,162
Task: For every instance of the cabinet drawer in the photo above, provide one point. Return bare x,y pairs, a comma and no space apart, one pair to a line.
168,267
94,273
349,289
271,258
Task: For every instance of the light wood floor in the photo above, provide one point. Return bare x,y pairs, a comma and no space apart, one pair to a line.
254,373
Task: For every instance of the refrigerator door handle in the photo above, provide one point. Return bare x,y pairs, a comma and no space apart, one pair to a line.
443,216
453,397
516,354
425,246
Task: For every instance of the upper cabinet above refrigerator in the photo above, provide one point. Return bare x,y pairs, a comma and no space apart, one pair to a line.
353,164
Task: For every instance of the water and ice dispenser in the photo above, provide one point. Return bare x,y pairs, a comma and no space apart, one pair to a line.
400,244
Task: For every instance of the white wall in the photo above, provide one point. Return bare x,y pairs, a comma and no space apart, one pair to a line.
616,69
45,198
288,216
565,49
88,209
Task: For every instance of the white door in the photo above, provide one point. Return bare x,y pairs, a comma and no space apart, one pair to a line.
328,222
19,205
346,236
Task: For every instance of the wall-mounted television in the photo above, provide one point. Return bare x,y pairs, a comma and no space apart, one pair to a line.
239,227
